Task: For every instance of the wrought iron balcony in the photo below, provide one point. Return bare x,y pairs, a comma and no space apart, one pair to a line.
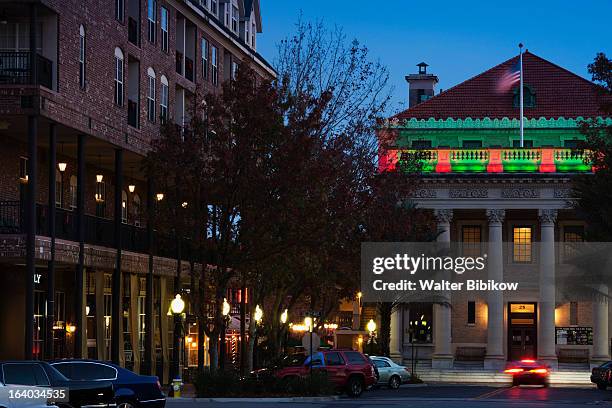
492,160
15,69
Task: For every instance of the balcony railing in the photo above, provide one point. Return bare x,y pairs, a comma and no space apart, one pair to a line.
98,230
15,69
492,160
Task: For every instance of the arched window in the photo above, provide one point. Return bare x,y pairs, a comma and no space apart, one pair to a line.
73,192
124,207
529,97
82,57
151,95
136,209
163,99
118,77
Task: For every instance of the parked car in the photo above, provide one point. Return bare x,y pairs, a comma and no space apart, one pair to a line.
9,397
602,375
391,374
131,390
349,370
41,374
528,371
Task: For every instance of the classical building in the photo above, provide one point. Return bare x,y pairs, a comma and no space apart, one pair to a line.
84,87
484,188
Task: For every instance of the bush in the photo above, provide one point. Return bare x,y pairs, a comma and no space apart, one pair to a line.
229,384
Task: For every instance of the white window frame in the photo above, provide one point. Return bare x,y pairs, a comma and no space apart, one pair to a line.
214,7
119,77
214,60
235,13
205,49
82,57
151,95
152,20
164,16
119,10
163,99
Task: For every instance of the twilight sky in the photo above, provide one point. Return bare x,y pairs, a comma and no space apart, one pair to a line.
458,39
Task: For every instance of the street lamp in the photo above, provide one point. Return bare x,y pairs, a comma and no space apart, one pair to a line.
225,312
159,196
283,319
258,315
177,306
371,326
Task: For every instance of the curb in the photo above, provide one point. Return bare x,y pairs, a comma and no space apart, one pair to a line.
255,400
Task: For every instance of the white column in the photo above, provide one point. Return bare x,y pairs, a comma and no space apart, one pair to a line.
546,317
495,358
395,351
442,355
600,327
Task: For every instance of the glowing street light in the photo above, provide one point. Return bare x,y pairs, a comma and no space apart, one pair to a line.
225,310
371,326
284,316
177,305
258,315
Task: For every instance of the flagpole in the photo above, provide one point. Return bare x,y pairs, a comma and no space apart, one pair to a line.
521,91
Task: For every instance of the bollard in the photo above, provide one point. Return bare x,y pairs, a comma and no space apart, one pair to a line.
176,387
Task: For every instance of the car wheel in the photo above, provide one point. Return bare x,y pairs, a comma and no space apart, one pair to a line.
125,404
601,386
394,382
355,387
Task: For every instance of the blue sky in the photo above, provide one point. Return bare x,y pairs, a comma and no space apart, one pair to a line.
458,39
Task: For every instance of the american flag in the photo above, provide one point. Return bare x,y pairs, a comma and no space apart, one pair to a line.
510,77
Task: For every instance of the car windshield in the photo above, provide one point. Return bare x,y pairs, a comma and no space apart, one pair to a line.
293,360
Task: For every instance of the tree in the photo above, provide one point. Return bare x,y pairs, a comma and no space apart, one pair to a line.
593,192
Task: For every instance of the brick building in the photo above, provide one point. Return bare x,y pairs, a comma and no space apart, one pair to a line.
489,191
84,86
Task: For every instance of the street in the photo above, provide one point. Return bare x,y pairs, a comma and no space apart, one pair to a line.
442,396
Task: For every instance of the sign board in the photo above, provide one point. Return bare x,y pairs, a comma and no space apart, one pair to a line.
577,336
316,341
522,308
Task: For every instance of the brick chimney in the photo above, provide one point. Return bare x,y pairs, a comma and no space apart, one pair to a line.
421,86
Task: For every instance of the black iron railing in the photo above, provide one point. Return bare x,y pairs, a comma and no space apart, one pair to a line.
344,319
15,69
98,230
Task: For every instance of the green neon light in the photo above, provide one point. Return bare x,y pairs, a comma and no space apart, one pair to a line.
488,123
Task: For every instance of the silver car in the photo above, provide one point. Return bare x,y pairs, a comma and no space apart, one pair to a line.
390,373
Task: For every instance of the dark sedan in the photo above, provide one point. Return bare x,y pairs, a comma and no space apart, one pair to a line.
76,394
131,390
602,375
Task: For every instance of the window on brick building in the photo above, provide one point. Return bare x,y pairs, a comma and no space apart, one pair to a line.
205,53
119,9
151,95
163,99
164,29
73,192
471,312
118,77
59,189
214,7
253,34
247,38
152,19
234,69
214,65
82,57
136,209
227,12
235,19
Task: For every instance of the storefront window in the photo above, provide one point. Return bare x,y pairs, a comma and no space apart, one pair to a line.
522,239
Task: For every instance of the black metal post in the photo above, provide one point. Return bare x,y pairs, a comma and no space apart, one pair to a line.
80,238
51,265
33,52
148,357
30,213
243,343
175,372
116,320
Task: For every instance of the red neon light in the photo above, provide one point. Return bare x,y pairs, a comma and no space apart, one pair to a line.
495,163
443,165
547,165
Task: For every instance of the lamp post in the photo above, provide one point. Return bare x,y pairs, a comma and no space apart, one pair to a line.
283,319
177,306
258,317
225,312
371,326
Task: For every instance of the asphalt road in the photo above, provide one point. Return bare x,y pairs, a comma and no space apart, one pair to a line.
443,396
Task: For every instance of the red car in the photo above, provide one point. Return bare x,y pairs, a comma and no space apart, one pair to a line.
602,375
349,370
529,372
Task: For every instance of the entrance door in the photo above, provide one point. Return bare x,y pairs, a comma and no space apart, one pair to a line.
522,343
522,331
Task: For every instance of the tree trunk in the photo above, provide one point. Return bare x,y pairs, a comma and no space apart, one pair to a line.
213,352
384,333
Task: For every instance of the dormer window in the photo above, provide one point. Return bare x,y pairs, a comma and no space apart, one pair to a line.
529,97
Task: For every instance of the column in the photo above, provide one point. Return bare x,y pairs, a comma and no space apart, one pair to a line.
395,344
495,358
546,316
116,320
50,314
30,213
79,304
442,355
147,363
600,327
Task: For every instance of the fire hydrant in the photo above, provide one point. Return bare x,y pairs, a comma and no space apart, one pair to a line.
176,387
